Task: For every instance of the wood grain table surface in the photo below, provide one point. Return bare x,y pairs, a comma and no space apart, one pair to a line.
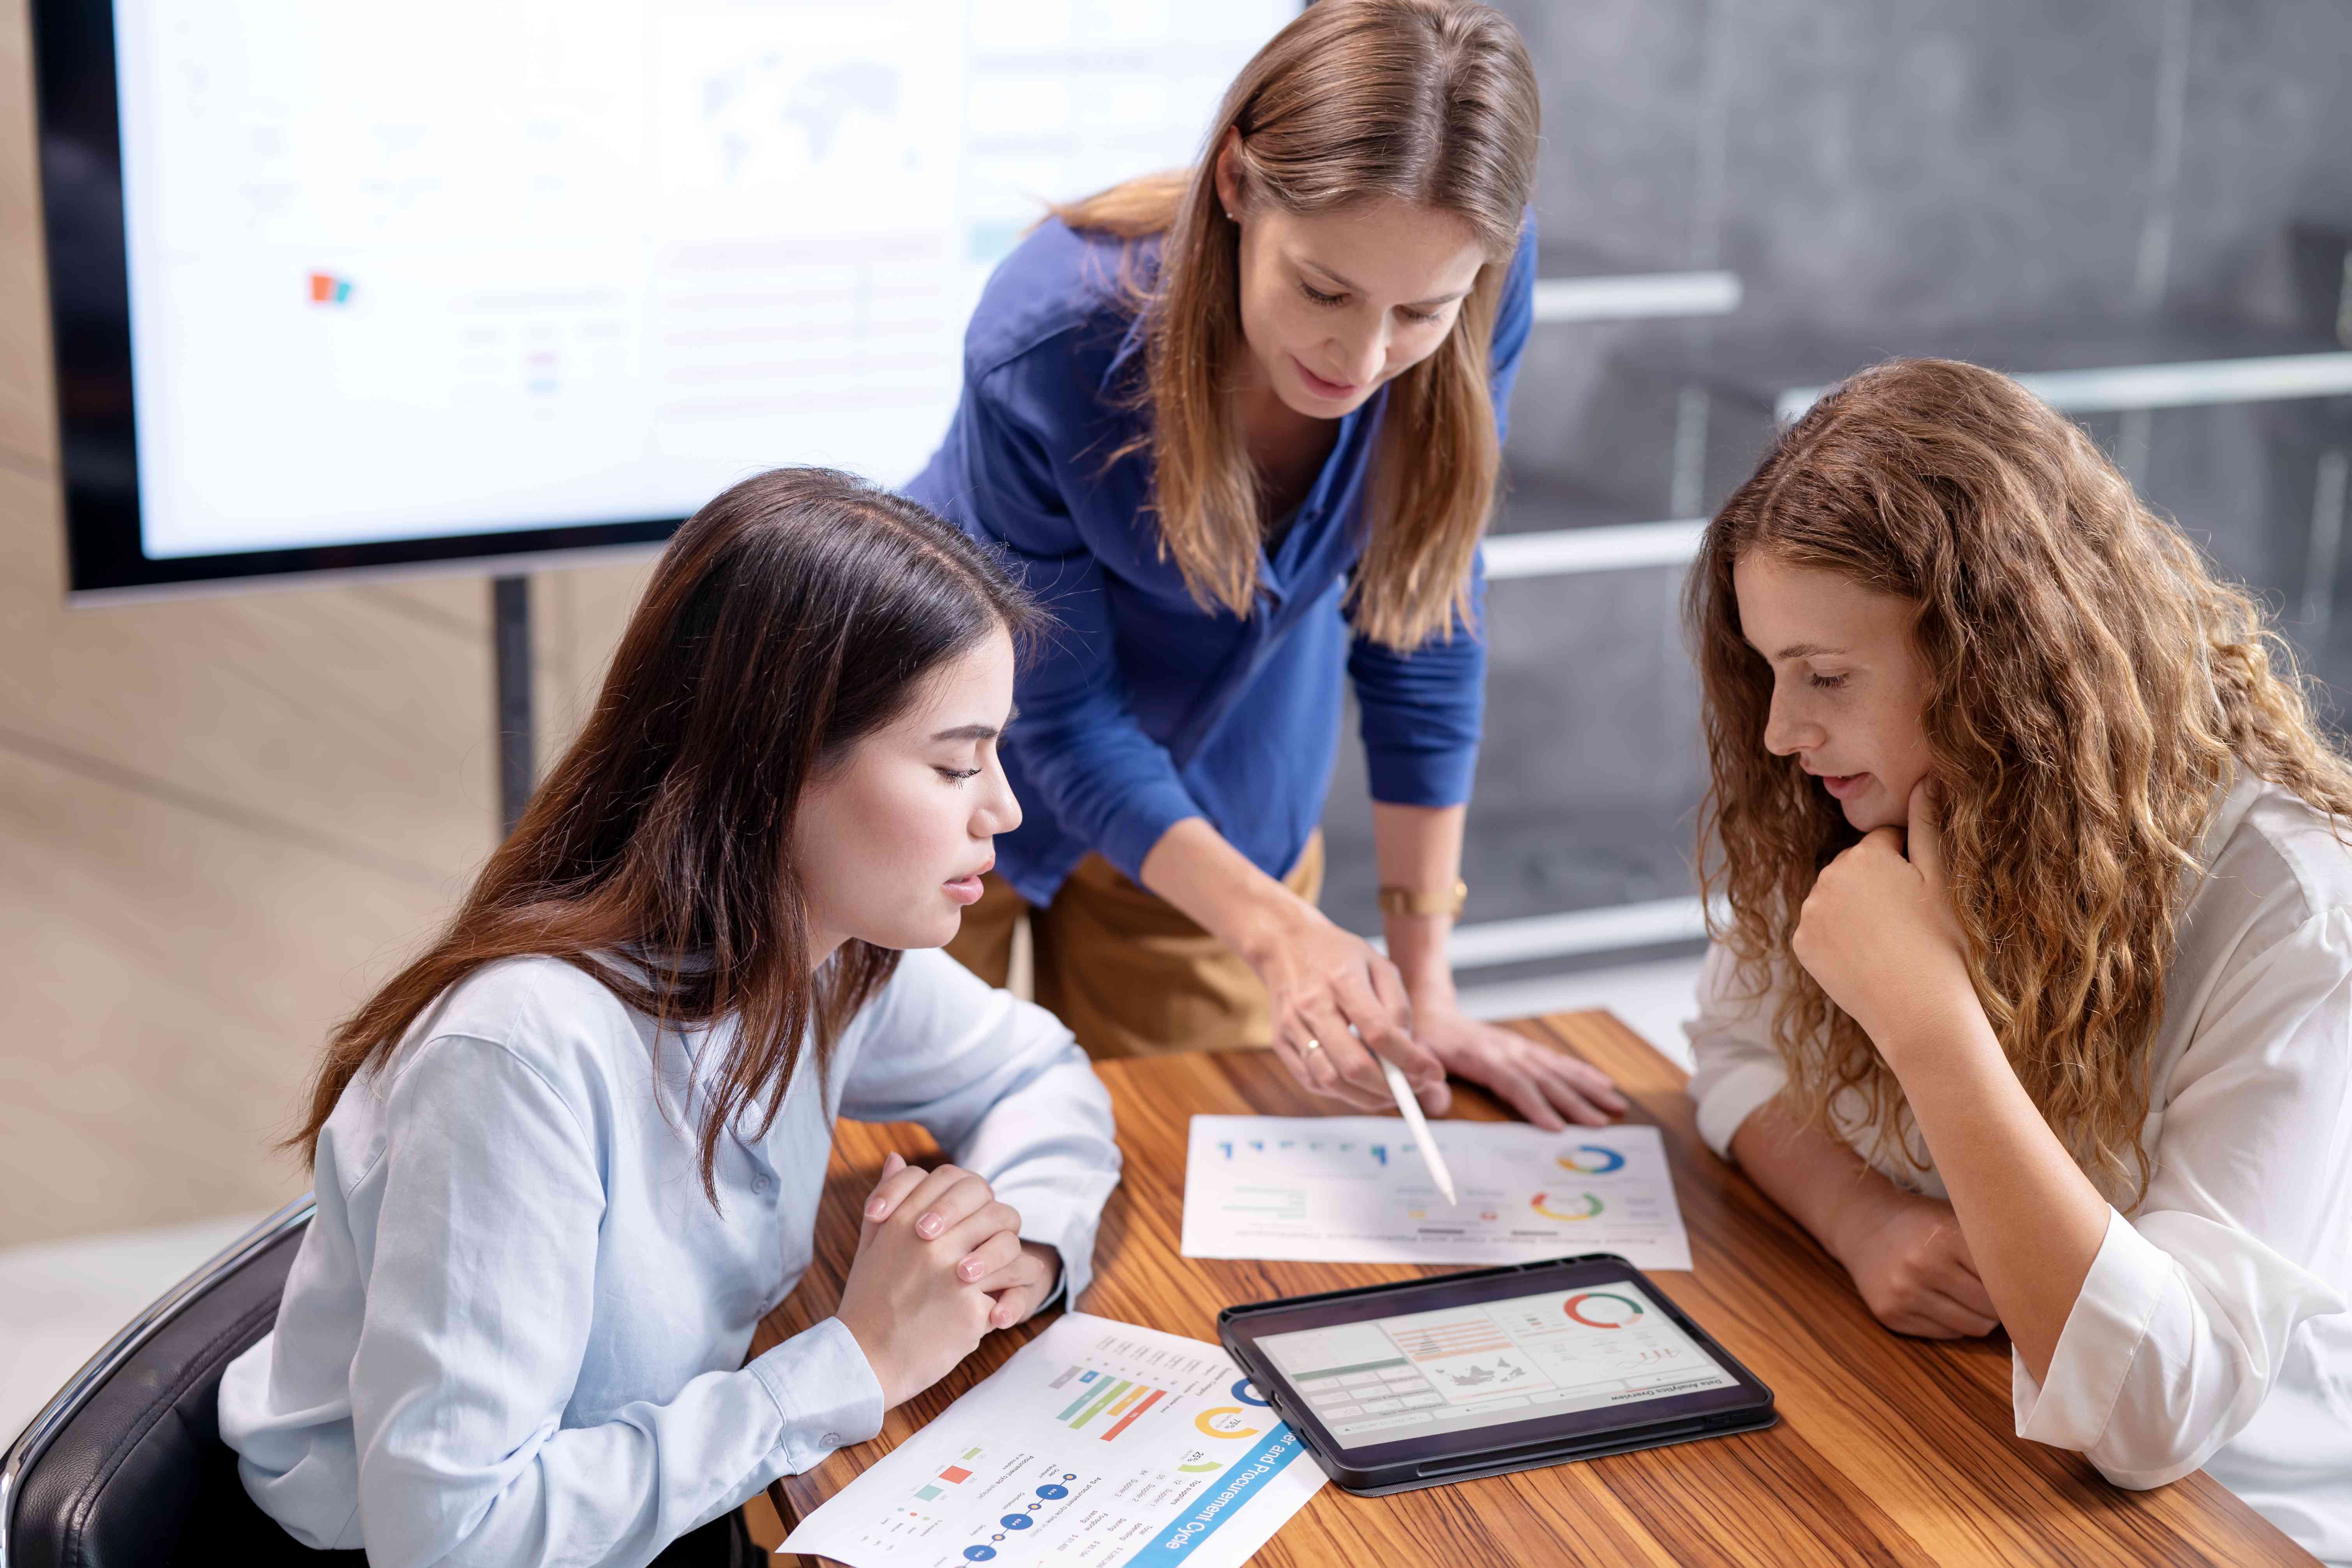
1889,1450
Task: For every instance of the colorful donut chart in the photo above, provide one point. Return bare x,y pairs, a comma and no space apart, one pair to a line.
1633,1309
1208,1422
1540,1203
1591,1160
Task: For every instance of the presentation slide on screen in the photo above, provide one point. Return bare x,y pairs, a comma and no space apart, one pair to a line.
399,271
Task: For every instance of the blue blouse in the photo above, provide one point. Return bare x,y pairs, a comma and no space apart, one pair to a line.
1142,709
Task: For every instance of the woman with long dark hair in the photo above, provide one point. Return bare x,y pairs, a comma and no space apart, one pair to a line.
569,1156
1240,427
2035,997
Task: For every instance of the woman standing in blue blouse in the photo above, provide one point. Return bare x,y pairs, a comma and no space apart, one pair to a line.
1239,428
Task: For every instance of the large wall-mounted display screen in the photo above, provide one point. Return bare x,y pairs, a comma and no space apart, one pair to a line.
367,284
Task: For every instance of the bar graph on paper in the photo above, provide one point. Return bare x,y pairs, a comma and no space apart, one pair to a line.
1116,1402
1097,1444
1352,1189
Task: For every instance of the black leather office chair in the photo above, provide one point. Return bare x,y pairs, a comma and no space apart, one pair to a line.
126,1466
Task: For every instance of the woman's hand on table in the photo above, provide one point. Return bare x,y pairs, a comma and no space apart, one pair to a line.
940,1263
1912,1265
1549,1087
1338,1007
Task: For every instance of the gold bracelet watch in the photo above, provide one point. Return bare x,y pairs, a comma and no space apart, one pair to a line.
1397,900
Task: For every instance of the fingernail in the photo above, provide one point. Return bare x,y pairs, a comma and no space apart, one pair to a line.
967,1270
874,1209
929,1225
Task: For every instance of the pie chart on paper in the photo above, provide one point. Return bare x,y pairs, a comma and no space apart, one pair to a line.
1584,1206
1339,1189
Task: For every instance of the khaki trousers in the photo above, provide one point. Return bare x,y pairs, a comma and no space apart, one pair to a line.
1130,973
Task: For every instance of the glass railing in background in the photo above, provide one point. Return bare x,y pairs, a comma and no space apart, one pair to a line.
1582,831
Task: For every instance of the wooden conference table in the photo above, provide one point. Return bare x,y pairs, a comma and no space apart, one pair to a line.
1889,1450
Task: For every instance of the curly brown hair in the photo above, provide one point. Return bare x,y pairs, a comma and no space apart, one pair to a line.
2092,689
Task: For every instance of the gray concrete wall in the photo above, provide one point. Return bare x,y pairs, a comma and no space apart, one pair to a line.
2027,184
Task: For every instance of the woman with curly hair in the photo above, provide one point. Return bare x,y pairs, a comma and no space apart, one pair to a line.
2033,997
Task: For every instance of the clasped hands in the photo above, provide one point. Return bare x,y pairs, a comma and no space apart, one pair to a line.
939,1264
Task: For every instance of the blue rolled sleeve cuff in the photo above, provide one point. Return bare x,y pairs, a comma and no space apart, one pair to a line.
1423,711
1142,821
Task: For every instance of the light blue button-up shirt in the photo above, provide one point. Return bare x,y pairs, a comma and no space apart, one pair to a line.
516,1329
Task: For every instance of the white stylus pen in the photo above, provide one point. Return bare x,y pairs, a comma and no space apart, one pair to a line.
1411,1110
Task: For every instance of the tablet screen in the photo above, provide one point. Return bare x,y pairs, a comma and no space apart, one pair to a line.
1433,1373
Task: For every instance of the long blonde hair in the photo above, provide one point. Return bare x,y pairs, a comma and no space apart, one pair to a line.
2092,691
1432,102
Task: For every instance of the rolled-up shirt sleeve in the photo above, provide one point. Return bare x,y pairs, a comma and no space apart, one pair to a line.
2192,1308
1735,1066
479,1304
1005,1090
1422,712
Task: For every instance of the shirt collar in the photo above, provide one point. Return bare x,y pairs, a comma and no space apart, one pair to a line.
2237,799
1146,272
1130,348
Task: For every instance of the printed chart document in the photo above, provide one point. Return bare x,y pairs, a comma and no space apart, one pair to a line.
1098,1442
1353,1189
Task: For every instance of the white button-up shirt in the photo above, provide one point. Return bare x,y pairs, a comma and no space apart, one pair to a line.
515,1332
2212,1328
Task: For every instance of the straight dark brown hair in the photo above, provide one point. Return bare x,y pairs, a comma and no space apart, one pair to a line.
794,614
1432,103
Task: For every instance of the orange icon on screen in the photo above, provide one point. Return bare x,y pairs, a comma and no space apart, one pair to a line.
326,288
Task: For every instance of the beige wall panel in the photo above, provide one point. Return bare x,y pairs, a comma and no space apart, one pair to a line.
221,818
328,711
579,617
170,976
25,396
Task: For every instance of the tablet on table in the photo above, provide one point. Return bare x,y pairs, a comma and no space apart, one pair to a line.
1427,1381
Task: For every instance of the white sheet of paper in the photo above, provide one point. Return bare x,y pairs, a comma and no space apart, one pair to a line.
1098,1442
1353,1189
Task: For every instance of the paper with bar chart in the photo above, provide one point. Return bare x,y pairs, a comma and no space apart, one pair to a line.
1353,1189
1098,1442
